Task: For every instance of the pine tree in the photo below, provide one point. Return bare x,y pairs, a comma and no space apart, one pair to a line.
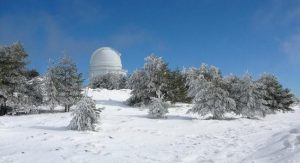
67,82
137,83
277,98
250,102
50,88
286,100
150,81
155,70
232,85
13,60
34,92
157,108
196,79
210,94
176,90
85,116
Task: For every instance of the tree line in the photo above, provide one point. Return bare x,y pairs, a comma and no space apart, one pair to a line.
23,90
211,93
152,86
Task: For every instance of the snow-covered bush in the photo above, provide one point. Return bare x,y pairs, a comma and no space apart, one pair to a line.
85,116
157,108
109,81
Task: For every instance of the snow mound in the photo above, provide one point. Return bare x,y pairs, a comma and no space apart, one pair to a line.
281,147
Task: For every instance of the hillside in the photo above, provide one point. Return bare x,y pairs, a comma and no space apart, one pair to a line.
127,135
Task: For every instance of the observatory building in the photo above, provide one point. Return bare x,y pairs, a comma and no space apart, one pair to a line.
105,60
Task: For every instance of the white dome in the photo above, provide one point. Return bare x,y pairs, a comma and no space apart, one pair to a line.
105,60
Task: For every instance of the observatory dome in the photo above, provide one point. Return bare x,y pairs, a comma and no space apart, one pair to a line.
105,60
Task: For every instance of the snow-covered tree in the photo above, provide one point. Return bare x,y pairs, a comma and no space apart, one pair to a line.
137,83
68,82
232,85
155,70
13,60
34,91
157,108
277,98
210,94
109,81
196,79
148,82
286,100
50,88
13,81
85,115
249,101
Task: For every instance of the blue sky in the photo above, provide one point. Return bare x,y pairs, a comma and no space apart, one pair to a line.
234,35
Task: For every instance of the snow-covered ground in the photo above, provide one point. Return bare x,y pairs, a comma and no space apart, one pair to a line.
127,135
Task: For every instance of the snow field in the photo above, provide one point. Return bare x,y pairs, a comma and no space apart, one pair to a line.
128,135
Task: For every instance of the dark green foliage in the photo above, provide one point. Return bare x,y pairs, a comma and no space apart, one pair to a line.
277,98
34,92
30,74
176,90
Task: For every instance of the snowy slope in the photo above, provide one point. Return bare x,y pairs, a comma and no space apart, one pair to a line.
128,135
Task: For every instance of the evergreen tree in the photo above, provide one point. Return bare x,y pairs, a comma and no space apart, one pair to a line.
85,116
232,85
148,82
13,60
176,90
50,88
277,98
13,81
68,82
249,101
193,80
155,70
137,83
210,94
34,92
286,100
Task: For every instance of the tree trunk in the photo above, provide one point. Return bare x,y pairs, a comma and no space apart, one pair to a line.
66,108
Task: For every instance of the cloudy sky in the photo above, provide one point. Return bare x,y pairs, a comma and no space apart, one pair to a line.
234,35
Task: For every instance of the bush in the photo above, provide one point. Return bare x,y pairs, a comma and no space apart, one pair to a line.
157,108
86,116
